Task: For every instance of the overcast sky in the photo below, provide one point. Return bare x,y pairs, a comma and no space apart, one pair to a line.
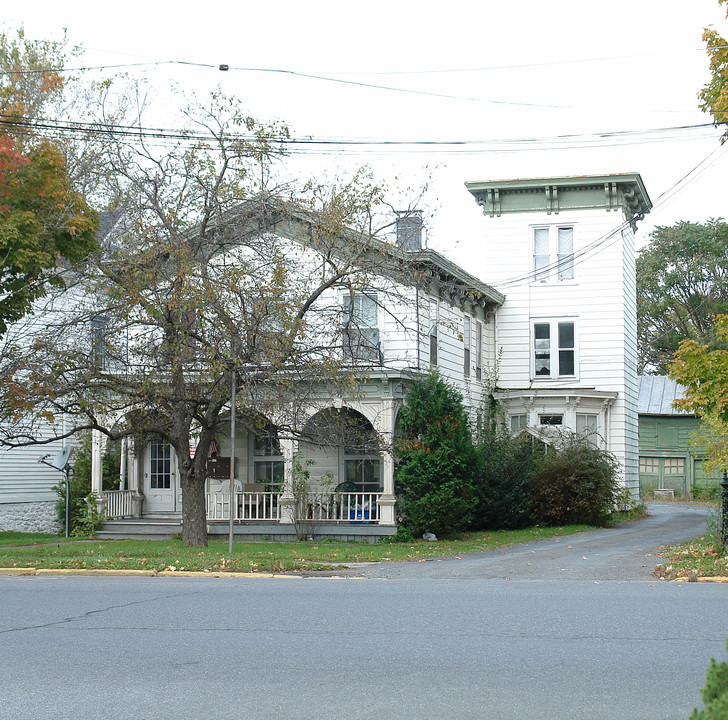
480,72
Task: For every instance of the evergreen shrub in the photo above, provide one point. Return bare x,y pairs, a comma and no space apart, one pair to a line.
507,465
715,693
437,460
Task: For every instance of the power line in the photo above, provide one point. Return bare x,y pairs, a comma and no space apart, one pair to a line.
313,144
605,241
341,78
325,74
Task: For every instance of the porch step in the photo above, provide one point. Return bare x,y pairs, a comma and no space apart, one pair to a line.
141,528
166,528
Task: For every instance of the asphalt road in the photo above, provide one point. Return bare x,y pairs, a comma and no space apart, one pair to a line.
627,552
491,638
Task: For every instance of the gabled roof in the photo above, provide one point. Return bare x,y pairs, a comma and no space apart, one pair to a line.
299,224
107,221
657,393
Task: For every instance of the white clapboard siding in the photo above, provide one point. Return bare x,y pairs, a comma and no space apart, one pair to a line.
23,478
600,300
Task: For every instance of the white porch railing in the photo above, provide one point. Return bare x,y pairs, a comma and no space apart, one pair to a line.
246,506
344,507
118,503
320,507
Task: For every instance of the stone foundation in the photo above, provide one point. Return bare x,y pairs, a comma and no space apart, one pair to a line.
29,517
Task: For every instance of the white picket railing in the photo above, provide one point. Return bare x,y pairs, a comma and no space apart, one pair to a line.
344,507
118,503
246,505
339,507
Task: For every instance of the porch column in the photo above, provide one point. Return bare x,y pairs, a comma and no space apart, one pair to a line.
286,502
133,476
97,455
386,429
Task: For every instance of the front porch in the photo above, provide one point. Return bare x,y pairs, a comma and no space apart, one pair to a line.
335,476
258,515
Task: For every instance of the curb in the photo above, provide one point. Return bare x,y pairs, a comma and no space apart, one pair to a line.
163,573
707,579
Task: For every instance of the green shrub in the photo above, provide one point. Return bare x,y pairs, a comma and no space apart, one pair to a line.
90,517
403,535
437,460
707,492
575,483
80,484
715,693
507,465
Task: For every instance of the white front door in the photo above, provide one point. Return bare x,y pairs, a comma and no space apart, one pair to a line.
160,478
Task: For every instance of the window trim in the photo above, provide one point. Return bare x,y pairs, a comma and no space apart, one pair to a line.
360,343
467,325
549,264
434,321
478,350
555,350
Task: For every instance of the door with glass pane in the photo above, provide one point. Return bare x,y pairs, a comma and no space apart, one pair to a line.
160,478
661,473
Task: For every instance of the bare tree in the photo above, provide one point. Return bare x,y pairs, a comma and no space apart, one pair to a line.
208,271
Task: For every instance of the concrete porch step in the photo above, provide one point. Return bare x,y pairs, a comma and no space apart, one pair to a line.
141,528
165,528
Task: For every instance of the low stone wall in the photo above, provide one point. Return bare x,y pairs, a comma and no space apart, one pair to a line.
29,517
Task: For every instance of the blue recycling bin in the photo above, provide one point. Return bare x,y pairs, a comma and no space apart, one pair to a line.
359,513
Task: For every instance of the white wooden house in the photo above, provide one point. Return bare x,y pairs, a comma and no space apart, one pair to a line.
544,317
442,318
562,252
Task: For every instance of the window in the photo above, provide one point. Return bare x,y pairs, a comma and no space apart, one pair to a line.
434,321
674,466
268,460
550,419
586,427
554,349
160,470
478,350
364,473
466,344
565,253
361,329
649,465
553,253
518,423
361,453
99,333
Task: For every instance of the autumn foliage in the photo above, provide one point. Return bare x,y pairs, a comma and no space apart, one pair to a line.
714,95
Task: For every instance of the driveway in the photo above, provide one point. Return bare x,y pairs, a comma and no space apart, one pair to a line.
627,552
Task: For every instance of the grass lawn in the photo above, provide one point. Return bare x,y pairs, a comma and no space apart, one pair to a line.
24,538
702,557
25,550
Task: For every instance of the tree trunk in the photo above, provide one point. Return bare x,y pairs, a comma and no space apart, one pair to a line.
194,517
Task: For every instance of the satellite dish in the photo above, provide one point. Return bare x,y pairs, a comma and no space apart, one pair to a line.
60,461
